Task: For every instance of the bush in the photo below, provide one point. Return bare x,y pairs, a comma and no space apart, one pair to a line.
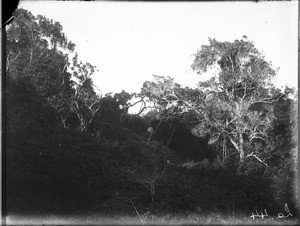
62,170
57,166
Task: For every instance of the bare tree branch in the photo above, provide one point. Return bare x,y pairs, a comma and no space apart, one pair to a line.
255,156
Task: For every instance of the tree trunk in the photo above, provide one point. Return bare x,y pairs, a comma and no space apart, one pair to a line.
82,126
224,149
236,146
241,147
64,122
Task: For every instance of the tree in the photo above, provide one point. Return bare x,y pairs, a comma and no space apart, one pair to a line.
123,99
86,100
37,50
240,96
281,144
234,106
39,54
37,59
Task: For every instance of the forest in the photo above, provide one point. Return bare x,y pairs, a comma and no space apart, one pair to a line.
227,146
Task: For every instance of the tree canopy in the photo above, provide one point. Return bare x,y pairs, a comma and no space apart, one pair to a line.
39,54
234,107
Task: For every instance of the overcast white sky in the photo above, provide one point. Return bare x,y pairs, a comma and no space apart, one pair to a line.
129,42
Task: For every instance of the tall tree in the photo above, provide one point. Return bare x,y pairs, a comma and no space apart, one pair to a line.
239,98
38,51
37,57
234,106
39,54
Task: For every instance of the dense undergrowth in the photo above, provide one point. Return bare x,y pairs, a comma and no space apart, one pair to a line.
64,171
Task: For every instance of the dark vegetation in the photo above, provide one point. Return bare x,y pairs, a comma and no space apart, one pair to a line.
70,150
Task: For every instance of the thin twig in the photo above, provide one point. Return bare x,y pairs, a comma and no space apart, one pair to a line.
137,212
252,154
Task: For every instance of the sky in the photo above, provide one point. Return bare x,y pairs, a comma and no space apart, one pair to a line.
131,41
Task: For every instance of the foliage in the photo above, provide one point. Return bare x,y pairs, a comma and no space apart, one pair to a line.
123,99
234,105
38,55
85,102
50,165
176,134
37,51
137,124
70,149
239,98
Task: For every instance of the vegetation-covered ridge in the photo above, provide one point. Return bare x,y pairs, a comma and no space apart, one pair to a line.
228,145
